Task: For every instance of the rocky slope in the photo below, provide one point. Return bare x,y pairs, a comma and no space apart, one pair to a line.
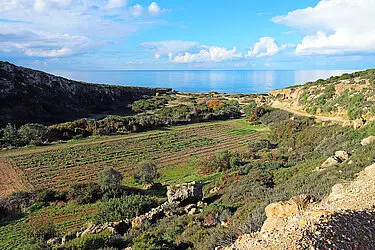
344,220
347,97
28,95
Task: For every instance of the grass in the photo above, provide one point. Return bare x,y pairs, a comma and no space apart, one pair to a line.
180,172
66,218
176,151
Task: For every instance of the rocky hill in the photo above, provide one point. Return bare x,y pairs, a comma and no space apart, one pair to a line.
347,97
28,95
343,220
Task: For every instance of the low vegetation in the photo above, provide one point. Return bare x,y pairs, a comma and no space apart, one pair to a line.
244,165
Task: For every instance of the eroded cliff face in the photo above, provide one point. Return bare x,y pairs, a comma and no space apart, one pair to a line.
28,95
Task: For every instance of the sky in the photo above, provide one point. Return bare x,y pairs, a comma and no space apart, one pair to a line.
189,34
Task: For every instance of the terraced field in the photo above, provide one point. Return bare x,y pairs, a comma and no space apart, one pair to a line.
69,218
61,165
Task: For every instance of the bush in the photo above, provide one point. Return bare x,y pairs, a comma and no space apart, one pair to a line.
151,241
33,134
146,173
16,204
42,227
110,183
85,193
275,116
49,195
218,163
89,242
255,146
11,136
126,207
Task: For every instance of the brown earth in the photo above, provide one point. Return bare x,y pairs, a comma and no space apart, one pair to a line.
10,178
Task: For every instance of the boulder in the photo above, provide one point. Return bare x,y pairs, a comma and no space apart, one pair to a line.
277,212
54,241
367,141
189,207
185,193
330,162
342,155
358,123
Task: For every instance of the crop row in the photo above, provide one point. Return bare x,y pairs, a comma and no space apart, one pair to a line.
60,168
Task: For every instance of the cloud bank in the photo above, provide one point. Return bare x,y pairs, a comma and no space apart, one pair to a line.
334,27
179,51
60,28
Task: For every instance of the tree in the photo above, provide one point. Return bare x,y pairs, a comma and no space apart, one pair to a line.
110,182
11,135
146,173
33,134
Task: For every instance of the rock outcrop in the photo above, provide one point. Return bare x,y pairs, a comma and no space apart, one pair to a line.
277,212
343,220
182,199
185,193
335,160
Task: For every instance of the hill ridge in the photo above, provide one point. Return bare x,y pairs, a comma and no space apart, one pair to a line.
28,95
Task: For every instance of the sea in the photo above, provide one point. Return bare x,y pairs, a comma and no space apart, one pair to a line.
223,81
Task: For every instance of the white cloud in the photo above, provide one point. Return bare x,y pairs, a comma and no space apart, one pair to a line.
178,51
210,54
170,47
334,27
49,53
38,26
136,10
265,47
154,9
115,4
41,5
43,44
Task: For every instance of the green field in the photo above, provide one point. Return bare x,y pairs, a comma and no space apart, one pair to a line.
175,150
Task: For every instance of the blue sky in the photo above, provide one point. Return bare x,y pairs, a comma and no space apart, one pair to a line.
194,34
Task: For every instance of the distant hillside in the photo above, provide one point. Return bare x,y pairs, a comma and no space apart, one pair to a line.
350,96
28,95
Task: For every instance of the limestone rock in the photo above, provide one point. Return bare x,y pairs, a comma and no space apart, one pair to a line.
185,193
277,212
54,241
330,162
342,155
358,123
368,140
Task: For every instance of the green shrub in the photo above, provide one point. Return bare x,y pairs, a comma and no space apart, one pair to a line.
85,193
126,207
110,183
146,173
33,134
11,136
222,161
151,241
50,195
275,116
255,146
89,242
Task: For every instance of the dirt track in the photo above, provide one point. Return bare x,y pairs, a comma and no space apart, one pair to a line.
336,119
